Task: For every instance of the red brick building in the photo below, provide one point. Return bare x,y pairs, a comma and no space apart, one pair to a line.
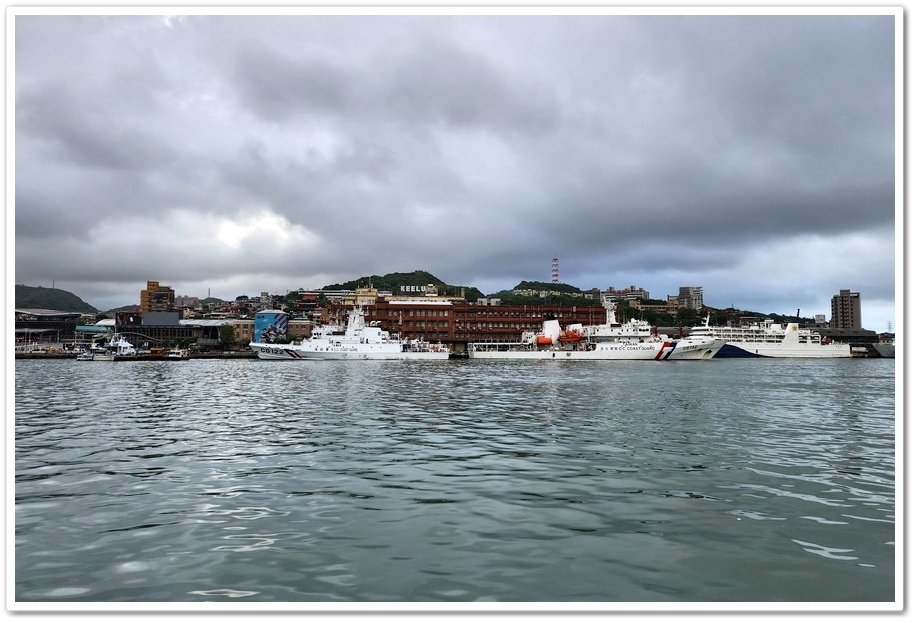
458,322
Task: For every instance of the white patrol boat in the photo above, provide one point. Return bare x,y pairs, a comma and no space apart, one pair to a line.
357,341
635,340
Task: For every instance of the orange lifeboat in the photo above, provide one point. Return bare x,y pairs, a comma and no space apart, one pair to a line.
543,340
570,336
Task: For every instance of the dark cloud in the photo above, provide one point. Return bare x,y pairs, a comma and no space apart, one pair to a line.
277,88
84,134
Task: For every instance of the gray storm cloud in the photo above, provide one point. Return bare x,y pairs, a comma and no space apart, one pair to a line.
654,148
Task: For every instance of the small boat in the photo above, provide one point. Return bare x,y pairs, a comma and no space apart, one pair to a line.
95,353
121,348
178,353
358,340
117,349
571,335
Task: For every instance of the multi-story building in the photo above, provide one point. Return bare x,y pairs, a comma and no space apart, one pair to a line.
846,310
631,293
690,297
669,308
156,298
186,301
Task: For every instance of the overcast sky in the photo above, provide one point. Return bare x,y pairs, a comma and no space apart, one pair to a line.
749,155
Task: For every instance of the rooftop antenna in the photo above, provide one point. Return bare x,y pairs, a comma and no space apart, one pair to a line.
555,271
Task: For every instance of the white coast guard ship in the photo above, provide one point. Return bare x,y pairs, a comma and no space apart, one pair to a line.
355,341
612,340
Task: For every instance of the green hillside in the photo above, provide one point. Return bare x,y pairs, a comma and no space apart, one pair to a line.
394,281
549,287
124,308
37,297
560,294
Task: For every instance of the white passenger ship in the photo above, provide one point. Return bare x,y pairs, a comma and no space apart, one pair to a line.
356,341
635,339
770,339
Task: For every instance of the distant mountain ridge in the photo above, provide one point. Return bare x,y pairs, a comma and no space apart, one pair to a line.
38,297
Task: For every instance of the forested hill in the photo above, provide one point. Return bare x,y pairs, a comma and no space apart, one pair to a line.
547,287
394,281
37,297
530,292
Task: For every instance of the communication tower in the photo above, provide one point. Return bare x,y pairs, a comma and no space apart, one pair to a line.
555,271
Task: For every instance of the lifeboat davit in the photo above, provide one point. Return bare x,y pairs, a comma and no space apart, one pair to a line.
543,340
570,336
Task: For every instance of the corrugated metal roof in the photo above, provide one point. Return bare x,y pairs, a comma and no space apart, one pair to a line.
47,312
206,322
193,322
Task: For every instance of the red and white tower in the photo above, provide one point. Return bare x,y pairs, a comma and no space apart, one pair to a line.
555,271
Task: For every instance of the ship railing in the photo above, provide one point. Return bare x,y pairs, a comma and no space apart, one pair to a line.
496,346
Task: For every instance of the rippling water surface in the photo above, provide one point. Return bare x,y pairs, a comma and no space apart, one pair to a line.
731,480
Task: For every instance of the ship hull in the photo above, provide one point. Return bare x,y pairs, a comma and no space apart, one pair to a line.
293,353
778,350
696,349
885,349
602,352
623,350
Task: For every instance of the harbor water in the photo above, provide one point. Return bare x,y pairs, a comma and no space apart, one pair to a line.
381,481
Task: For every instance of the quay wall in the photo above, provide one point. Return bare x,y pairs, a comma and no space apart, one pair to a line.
210,355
